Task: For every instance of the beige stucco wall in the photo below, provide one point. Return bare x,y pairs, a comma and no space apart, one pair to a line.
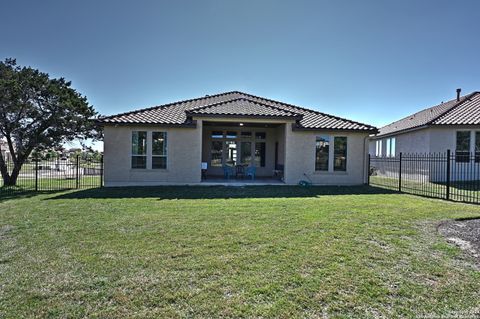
444,138
183,156
184,149
300,158
428,140
409,142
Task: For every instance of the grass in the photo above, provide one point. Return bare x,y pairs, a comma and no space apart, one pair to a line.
274,252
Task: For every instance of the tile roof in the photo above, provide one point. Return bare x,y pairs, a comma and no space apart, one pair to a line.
463,112
242,107
467,113
234,104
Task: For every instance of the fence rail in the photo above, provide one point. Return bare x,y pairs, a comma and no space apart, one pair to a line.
451,176
56,174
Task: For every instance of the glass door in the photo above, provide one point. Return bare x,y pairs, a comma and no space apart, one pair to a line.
231,153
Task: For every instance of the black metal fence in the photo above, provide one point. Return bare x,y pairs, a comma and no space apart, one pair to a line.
451,176
56,174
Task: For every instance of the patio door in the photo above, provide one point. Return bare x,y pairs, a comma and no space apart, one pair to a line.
238,153
230,152
245,153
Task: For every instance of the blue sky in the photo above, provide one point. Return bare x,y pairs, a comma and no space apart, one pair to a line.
371,61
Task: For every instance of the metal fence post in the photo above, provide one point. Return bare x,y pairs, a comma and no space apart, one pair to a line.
447,195
101,171
77,170
400,173
36,174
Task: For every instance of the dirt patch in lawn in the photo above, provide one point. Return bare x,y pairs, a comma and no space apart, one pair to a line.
465,233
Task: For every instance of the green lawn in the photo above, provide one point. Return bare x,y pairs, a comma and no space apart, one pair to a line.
174,252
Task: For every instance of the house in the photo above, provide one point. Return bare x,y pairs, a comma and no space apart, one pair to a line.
217,136
424,138
452,125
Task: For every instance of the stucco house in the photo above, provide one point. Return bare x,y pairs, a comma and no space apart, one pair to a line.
452,125
212,138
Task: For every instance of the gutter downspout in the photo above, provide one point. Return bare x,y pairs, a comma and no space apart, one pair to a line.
365,154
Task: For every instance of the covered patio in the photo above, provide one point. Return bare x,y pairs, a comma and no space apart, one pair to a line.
250,152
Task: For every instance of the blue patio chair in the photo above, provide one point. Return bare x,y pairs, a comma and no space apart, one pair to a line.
228,171
251,171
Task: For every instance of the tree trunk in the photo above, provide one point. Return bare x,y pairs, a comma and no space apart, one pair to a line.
18,158
4,171
10,179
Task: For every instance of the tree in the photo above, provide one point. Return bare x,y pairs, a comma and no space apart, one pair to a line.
38,113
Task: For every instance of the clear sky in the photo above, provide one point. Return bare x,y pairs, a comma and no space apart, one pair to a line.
371,61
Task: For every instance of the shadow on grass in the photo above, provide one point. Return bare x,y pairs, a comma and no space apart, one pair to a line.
220,192
20,194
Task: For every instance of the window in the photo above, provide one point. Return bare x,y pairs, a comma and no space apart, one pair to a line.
393,142
217,134
390,147
139,149
462,151
321,153
340,153
246,134
231,134
245,153
260,154
477,147
378,148
260,135
216,154
159,150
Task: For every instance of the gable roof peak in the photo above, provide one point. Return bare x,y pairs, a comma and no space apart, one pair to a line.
239,103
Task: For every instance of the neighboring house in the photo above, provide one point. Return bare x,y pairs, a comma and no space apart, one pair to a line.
171,143
453,125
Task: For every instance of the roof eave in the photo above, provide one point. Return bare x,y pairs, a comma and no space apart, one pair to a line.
282,117
408,130
324,129
192,124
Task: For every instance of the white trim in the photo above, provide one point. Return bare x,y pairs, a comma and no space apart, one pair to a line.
331,154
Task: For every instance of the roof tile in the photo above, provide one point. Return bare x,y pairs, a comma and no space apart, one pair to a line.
234,104
463,112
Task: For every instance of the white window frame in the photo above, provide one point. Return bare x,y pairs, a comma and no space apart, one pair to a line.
165,134
139,155
149,150
465,158
378,148
331,154
346,153
390,147
393,146
318,139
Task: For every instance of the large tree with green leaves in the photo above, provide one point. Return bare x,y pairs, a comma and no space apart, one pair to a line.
37,113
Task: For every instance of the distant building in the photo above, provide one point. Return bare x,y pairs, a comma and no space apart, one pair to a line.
5,150
452,125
